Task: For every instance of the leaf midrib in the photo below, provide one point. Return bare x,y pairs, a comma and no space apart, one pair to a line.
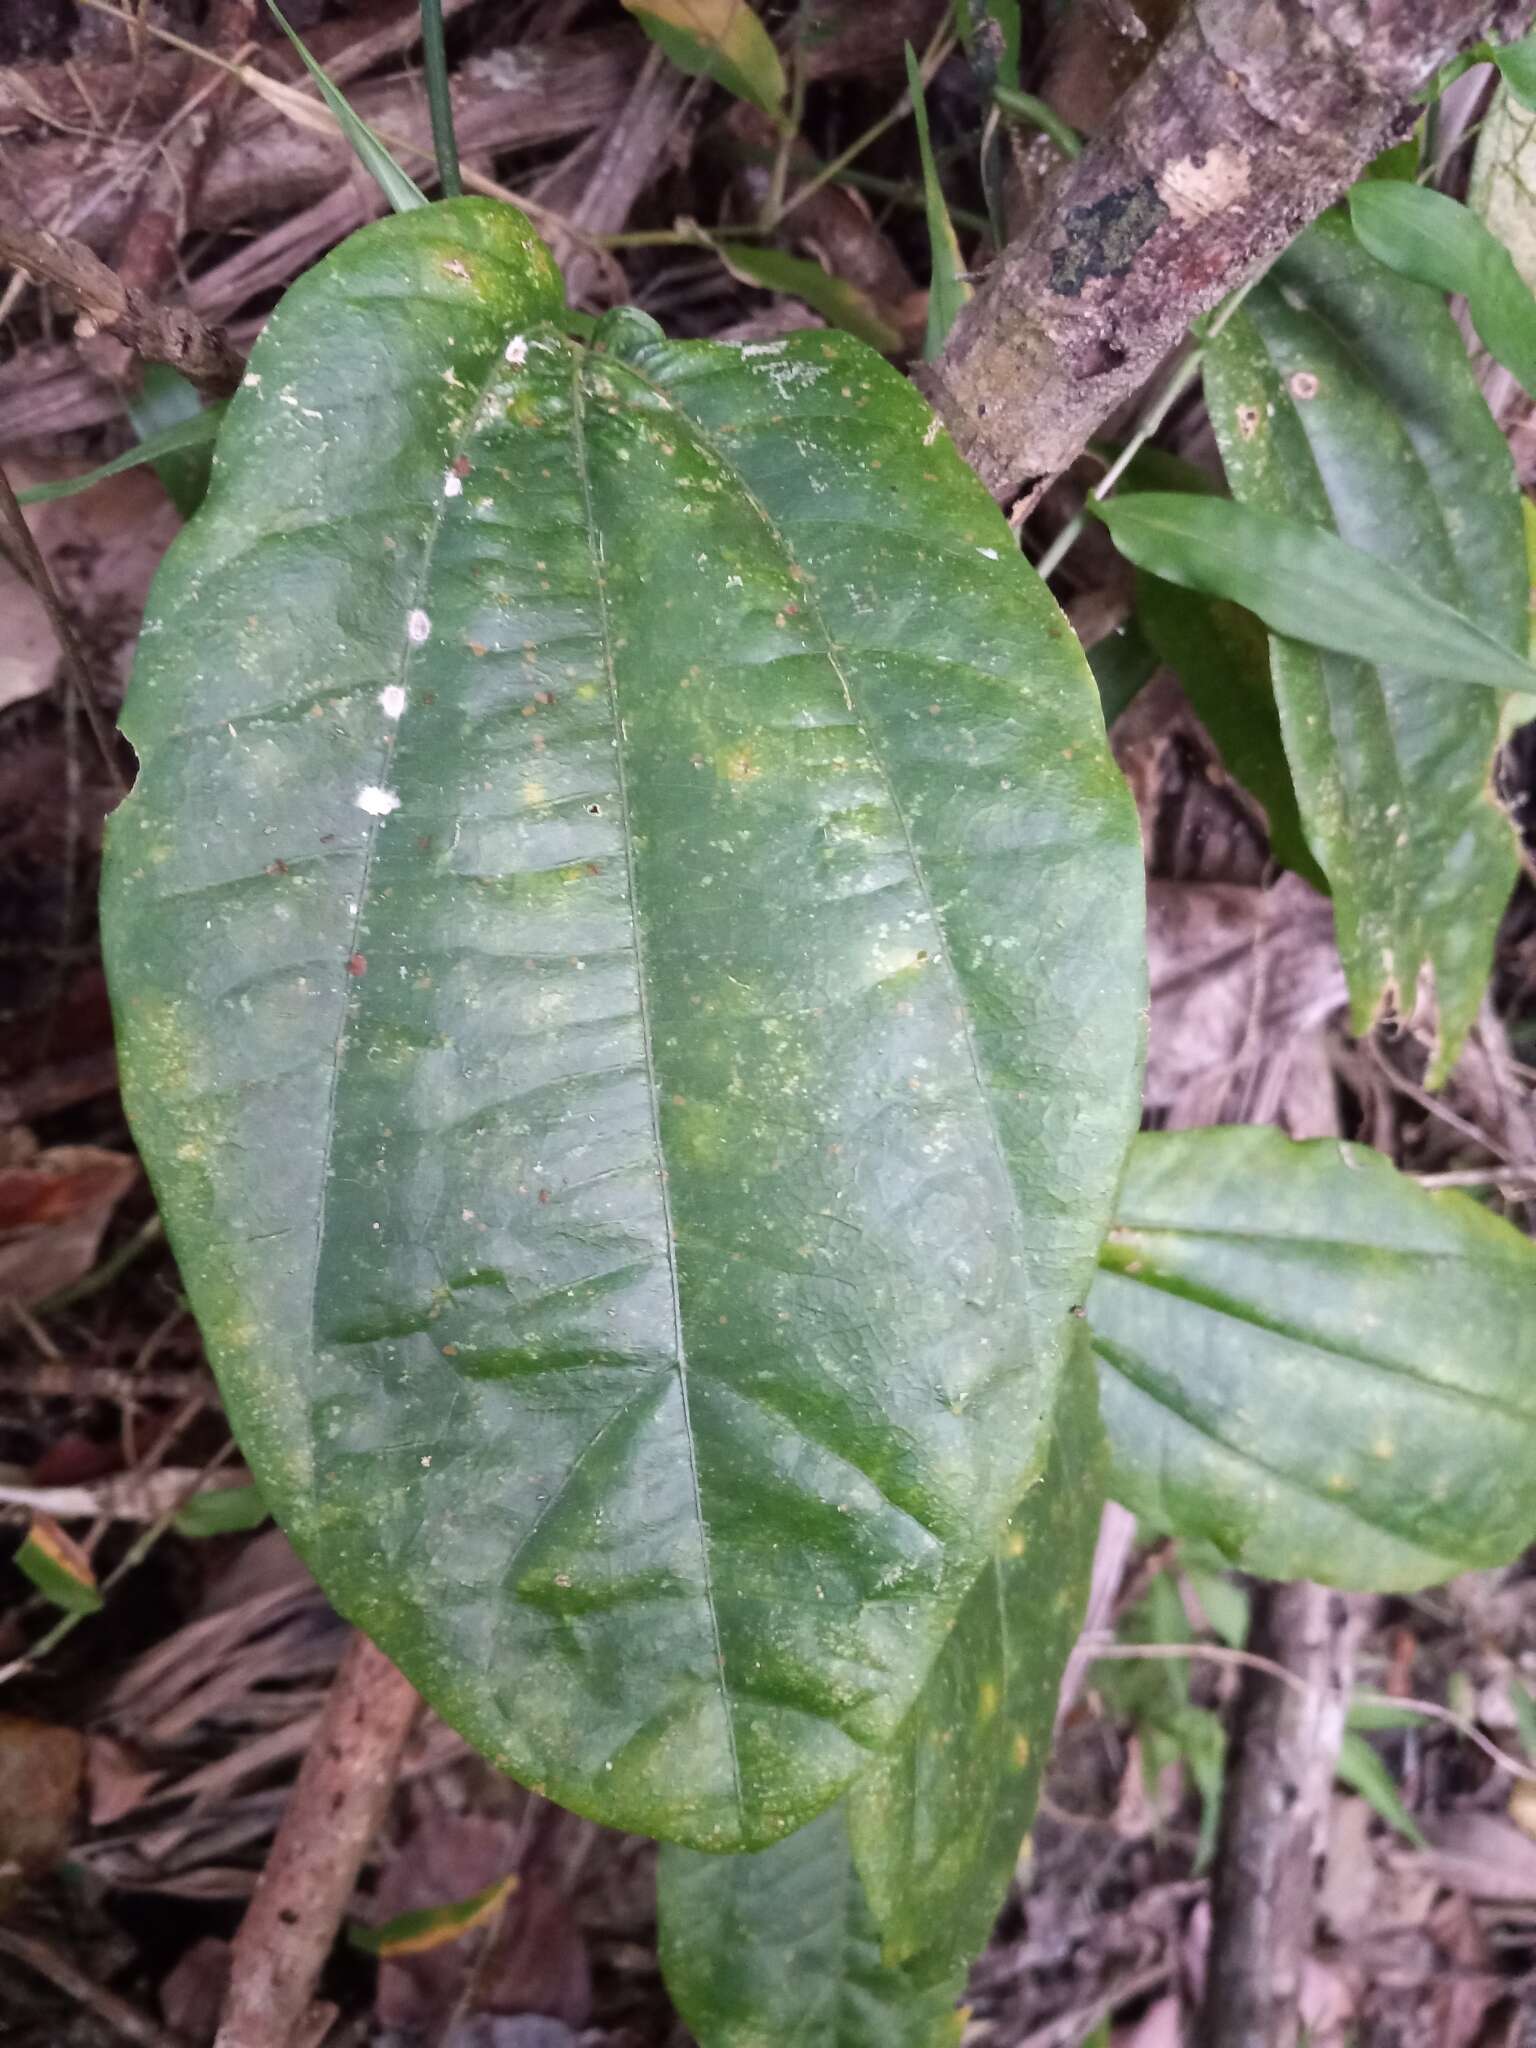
652,1081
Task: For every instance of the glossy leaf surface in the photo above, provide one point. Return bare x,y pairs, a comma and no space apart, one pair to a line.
937,1824
935,1827
781,1947
626,945
1342,394
1314,1364
1436,240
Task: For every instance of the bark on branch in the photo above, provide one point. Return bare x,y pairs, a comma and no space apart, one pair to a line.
161,334
1253,118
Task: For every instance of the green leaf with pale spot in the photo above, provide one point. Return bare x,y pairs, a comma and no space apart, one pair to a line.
1342,394
721,40
626,946
1314,1364
861,1927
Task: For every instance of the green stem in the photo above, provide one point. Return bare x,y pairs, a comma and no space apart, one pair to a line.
1024,106
439,103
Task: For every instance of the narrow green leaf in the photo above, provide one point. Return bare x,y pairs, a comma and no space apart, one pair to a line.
1362,1770
165,400
947,289
1517,63
1314,1364
1225,1605
429,1927
402,191
1221,655
839,302
1304,581
722,40
1435,240
221,1511
1342,395
1025,106
58,1567
198,432
781,1947
626,945
1368,1714
935,1829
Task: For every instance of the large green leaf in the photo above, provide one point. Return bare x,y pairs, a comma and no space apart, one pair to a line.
938,1822
1314,1364
1342,393
780,1948
935,1827
626,945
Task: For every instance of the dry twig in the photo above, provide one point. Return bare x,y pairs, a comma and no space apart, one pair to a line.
161,334
342,1792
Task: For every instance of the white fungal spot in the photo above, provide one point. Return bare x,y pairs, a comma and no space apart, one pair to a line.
418,627
990,553
453,486
392,700
763,348
251,381
935,427
517,351
378,803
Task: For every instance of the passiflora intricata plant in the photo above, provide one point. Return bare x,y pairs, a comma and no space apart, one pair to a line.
627,946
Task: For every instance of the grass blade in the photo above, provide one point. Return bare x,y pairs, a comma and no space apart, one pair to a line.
402,192
192,433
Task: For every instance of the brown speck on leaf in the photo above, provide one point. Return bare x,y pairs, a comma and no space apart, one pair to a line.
357,966
1304,385
461,465
277,867
543,1194
1247,421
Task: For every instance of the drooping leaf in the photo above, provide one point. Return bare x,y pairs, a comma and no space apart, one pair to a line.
1435,240
722,40
938,1822
1314,1364
626,949
947,287
1343,395
1221,655
164,402
398,187
781,1947
199,432
838,301
935,1827
1302,580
